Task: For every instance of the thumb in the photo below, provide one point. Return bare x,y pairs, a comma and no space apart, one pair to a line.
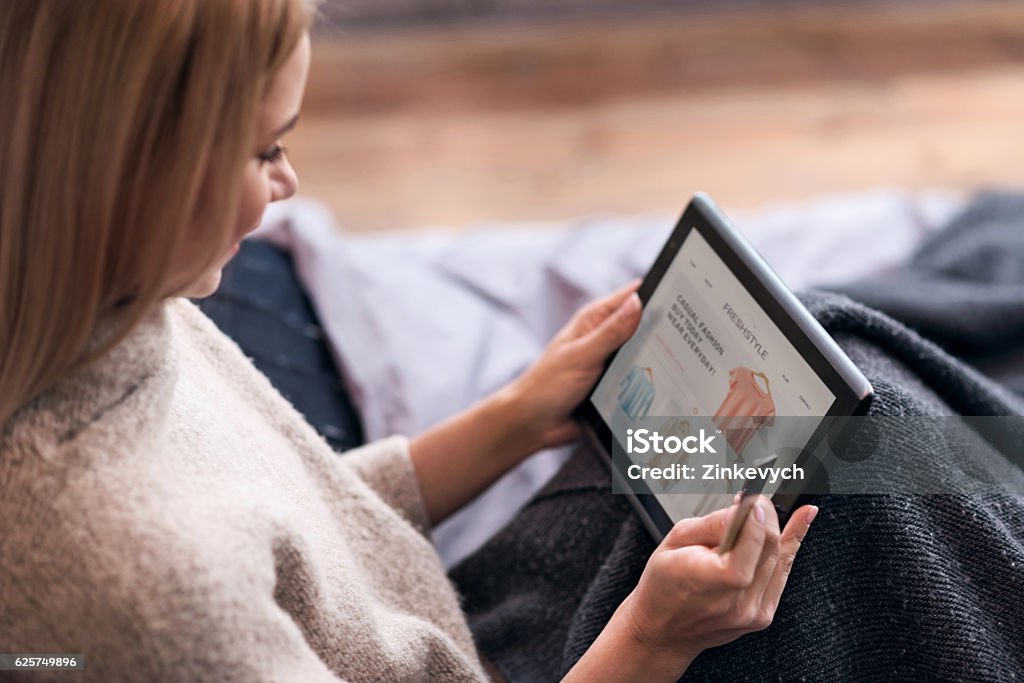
614,331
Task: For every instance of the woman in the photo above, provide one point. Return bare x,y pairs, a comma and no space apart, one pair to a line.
164,511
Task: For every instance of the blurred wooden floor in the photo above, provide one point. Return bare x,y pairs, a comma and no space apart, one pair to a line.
448,125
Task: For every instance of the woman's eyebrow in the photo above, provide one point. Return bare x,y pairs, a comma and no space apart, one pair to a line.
286,127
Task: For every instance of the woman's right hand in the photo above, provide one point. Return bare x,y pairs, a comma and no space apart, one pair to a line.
690,598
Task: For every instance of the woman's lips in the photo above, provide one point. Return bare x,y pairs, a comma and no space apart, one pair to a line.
236,247
230,253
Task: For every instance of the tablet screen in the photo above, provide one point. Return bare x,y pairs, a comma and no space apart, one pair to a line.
706,348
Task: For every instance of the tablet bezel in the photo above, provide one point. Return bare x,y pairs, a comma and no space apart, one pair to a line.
852,391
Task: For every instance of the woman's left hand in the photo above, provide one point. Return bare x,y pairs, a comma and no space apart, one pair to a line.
551,388
457,459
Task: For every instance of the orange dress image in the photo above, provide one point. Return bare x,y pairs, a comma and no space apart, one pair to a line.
748,406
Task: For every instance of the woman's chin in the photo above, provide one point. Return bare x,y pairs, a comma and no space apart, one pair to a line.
204,286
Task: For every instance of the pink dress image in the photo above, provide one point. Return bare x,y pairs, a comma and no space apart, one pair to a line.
748,406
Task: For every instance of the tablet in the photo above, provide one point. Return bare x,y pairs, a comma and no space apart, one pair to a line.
723,345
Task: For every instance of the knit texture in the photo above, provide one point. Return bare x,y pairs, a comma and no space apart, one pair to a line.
166,513
885,587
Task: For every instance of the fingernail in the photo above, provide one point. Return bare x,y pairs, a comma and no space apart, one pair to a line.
759,514
630,306
736,498
811,514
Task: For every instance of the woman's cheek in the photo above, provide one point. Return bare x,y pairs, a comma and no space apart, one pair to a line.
256,199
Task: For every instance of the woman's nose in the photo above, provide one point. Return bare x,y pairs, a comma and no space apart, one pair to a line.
286,182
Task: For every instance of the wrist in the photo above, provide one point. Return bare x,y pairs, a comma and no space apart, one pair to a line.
659,659
622,653
510,413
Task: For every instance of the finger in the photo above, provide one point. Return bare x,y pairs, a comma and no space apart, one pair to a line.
769,555
792,537
615,299
741,561
595,312
706,530
612,332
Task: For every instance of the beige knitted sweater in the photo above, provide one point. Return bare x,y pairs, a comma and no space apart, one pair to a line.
170,516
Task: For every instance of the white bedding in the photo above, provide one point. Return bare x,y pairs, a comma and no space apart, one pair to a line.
425,322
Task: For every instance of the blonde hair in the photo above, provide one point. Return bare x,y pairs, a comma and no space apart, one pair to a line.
124,125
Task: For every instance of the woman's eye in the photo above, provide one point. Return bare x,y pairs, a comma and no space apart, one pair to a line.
273,155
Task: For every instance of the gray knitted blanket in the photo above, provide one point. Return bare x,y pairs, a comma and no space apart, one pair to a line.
886,587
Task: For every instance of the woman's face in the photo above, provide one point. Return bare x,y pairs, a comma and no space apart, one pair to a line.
269,176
